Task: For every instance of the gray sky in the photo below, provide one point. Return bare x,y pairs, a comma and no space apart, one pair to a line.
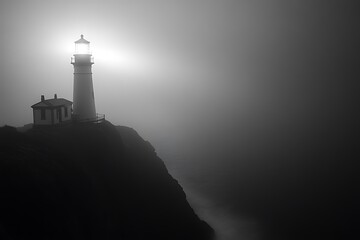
216,86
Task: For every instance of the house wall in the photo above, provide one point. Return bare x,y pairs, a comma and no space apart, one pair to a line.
49,113
37,117
56,117
63,113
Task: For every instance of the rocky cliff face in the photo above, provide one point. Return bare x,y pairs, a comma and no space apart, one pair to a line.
90,181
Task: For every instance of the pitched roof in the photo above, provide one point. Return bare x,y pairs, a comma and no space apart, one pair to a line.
55,102
82,40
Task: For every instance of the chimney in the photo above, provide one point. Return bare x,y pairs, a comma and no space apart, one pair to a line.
42,98
55,96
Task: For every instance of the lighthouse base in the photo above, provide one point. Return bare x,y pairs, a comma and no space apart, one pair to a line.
98,119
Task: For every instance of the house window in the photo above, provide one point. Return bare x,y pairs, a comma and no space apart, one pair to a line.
66,112
43,114
57,113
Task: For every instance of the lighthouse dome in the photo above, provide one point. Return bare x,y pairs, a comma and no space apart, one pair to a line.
82,40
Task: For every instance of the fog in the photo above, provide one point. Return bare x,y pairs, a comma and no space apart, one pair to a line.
251,104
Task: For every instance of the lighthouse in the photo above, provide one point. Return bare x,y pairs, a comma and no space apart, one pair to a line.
83,95
57,111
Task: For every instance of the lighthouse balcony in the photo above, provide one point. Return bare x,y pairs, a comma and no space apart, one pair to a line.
98,119
82,59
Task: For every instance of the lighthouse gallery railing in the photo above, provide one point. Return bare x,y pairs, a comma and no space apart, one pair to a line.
98,119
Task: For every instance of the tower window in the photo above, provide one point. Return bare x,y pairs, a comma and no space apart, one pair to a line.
43,114
66,112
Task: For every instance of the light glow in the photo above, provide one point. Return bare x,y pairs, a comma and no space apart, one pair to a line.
82,48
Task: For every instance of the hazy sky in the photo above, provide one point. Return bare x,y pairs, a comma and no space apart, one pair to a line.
231,93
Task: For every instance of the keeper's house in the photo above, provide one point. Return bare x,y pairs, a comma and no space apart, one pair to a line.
52,111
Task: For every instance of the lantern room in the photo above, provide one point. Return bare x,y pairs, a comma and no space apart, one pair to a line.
82,46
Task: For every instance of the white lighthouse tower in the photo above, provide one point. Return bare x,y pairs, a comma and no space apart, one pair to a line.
83,98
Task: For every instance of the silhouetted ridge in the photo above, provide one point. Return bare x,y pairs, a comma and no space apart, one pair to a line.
90,181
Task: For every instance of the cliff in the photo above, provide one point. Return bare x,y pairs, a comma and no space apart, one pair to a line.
90,181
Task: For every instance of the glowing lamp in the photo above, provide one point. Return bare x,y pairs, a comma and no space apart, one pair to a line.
82,46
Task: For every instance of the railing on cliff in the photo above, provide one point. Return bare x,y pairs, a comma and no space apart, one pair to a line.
98,119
